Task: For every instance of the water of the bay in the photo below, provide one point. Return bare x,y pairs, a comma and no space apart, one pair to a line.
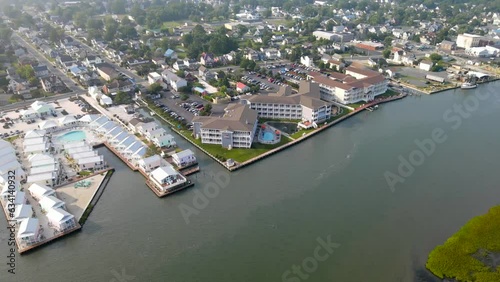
270,215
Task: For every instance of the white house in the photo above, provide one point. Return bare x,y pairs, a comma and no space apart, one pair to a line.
60,219
29,231
306,61
184,158
105,100
173,80
67,121
22,211
51,202
154,77
38,191
425,65
48,125
144,128
42,108
150,163
166,178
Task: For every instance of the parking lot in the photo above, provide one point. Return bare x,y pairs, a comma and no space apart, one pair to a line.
16,126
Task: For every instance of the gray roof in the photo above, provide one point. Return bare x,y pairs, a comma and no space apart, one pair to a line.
308,96
238,117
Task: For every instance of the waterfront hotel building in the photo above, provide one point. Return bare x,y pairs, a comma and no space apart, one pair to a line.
354,86
306,105
236,129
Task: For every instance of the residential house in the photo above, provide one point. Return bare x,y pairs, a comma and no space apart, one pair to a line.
154,77
205,74
64,60
51,202
106,71
170,54
92,60
60,220
118,85
166,178
29,231
38,191
184,158
242,88
40,70
306,61
150,163
447,45
173,80
52,84
207,59
426,65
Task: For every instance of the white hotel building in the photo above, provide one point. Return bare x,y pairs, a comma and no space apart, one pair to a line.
306,105
236,129
354,86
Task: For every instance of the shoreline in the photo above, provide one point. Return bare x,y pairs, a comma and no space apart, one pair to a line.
285,146
413,89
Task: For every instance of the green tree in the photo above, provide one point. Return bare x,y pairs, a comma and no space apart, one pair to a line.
118,7
155,88
386,53
122,98
435,57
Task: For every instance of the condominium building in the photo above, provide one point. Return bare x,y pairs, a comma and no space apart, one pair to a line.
236,129
354,86
467,40
306,105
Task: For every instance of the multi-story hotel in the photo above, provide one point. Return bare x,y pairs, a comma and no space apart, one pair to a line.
305,105
236,129
353,86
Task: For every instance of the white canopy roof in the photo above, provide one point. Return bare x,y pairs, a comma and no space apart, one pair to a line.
40,191
28,227
47,124
58,215
67,120
22,211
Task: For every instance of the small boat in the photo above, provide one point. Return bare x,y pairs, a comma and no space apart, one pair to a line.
468,85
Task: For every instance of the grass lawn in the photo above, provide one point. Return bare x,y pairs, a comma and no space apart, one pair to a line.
388,93
11,138
471,254
299,133
356,105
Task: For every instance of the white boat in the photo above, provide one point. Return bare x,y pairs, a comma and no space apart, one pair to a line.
468,85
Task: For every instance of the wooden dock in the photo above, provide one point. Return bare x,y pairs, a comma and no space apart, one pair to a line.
189,170
24,249
161,194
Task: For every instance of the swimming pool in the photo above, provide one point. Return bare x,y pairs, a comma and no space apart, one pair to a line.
72,136
267,136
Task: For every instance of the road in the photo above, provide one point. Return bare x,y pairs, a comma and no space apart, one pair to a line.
70,83
26,103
